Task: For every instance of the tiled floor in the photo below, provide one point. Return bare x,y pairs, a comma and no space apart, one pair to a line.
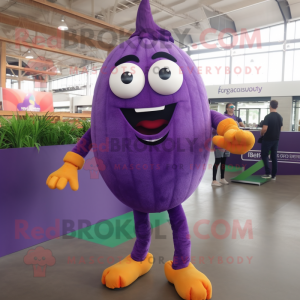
263,267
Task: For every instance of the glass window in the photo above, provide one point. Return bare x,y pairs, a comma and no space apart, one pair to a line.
252,39
256,41
291,30
277,33
258,49
209,44
8,83
253,117
263,113
27,86
252,113
199,47
83,79
76,80
237,51
256,68
64,82
194,47
297,30
243,115
227,70
213,71
290,46
14,84
59,84
237,72
289,65
224,45
275,66
214,53
296,75
194,56
276,47
227,41
265,35
70,81
296,112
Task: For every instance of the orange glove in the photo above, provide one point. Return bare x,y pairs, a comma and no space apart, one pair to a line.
231,138
67,173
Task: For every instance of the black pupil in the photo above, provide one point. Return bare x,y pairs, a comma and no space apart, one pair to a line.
165,73
127,77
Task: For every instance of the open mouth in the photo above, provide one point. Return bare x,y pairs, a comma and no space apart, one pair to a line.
149,121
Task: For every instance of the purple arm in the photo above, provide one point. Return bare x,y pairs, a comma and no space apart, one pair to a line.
216,118
84,145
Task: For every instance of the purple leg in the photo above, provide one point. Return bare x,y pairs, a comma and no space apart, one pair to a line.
143,236
182,243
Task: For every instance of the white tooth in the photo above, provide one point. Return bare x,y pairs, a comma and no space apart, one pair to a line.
138,110
152,141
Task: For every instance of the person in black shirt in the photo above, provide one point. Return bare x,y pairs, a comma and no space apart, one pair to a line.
271,132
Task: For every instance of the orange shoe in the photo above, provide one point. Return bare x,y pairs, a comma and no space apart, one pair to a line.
189,283
126,272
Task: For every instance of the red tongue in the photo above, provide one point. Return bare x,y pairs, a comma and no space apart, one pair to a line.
152,124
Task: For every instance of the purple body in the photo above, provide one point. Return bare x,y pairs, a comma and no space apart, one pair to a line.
158,167
162,189
152,178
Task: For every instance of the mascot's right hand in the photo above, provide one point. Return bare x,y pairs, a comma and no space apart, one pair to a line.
233,139
67,173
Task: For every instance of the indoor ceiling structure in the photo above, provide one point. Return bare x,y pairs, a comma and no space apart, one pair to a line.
95,27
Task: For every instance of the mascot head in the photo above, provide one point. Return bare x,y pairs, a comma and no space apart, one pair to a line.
150,119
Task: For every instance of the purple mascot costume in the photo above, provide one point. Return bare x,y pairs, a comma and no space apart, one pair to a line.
151,106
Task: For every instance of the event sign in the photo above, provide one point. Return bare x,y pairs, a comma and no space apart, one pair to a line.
282,156
17,100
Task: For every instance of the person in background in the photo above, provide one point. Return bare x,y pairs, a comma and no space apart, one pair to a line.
220,159
272,125
221,154
230,114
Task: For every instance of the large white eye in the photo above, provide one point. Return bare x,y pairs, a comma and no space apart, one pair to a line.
165,77
127,80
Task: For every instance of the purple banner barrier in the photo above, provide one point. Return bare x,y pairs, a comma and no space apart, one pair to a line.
288,155
31,213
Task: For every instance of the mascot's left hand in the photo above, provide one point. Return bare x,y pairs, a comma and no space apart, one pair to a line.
233,139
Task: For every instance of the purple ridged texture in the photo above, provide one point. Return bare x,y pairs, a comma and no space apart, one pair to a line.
164,188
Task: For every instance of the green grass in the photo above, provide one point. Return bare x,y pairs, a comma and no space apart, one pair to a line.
37,131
